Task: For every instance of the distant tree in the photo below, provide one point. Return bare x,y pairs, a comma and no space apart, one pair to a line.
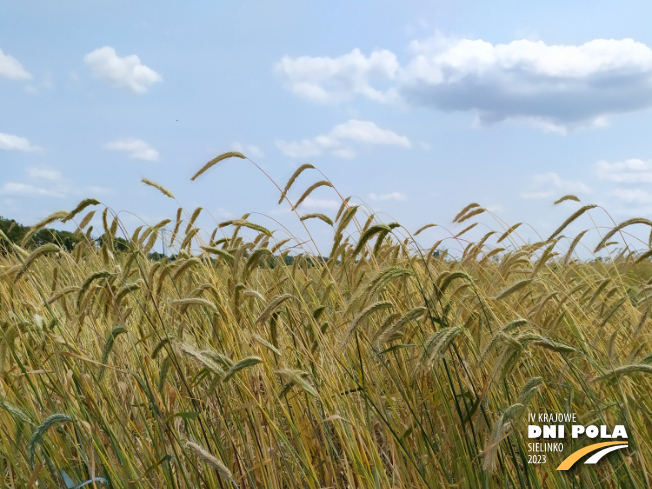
16,232
153,255
64,239
119,244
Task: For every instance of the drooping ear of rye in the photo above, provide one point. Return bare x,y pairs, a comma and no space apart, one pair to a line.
80,207
210,459
321,183
572,217
565,198
57,216
470,214
509,231
628,222
216,160
571,248
176,226
423,228
108,346
159,187
193,218
295,175
40,431
87,218
465,210
40,251
323,217
379,228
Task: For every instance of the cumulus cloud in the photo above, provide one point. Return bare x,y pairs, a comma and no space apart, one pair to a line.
47,182
397,196
248,149
25,190
628,171
92,190
44,174
495,208
555,87
331,80
11,68
127,72
309,204
632,196
136,149
335,140
320,204
10,142
551,185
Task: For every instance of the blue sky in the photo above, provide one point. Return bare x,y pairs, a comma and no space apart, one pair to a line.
416,108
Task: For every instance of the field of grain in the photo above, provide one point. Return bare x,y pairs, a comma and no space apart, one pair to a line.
244,362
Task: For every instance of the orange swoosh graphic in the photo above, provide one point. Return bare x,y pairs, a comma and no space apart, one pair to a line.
575,456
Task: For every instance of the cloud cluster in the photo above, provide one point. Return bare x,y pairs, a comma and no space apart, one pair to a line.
26,190
11,68
329,80
43,182
136,149
555,87
320,204
127,72
551,185
42,173
632,196
628,171
248,149
10,142
335,141
397,196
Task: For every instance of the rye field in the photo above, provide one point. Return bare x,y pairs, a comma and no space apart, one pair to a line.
244,360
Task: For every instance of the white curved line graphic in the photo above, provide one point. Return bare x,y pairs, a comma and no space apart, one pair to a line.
595,458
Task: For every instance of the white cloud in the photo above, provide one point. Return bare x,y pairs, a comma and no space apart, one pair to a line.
44,174
556,88
537,195
222,212
24,190
320,204
628,171
44,86
495,208
633,196
127,72
248,149
352,130
11,68
552,86
137,149
301,149
331,80
397,196
309,204
344,153
92,190
11,142
551,185
51,183
368,132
